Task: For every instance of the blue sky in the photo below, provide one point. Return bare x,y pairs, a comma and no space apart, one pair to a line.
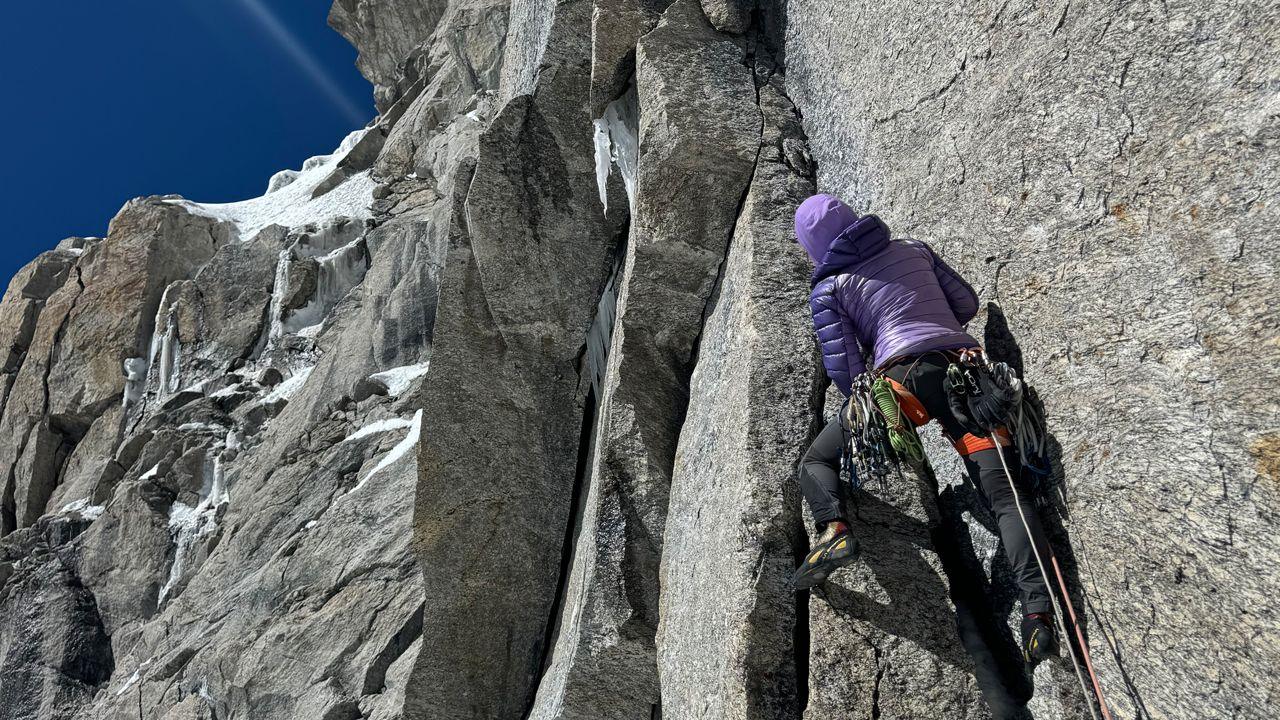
106,101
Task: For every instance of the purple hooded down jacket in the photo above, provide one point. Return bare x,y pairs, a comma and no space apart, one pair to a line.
892,298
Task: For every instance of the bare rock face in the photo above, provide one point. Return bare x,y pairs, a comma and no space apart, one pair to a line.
524,272
734,528
616,27
54,654
385,32
674,255
495,412
74,341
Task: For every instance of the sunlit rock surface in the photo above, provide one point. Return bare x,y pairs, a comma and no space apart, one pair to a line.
494,412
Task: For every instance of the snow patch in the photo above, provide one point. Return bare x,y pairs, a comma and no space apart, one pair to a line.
382,426
617,142
405,447
227,391
287,389
155,470
134,678
85,510
200,426
290,203
281,179
400,378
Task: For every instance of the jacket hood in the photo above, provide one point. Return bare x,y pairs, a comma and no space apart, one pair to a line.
867,236
819,219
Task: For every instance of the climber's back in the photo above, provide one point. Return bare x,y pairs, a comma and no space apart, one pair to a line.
893,298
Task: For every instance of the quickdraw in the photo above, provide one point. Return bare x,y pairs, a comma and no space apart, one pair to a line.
869,453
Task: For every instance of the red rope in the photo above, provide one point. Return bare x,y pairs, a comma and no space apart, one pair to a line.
1084,647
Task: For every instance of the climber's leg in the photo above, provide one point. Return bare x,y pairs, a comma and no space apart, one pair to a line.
820,482
820,474
923,377
988,474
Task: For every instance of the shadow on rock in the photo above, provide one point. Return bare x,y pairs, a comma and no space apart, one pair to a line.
895,548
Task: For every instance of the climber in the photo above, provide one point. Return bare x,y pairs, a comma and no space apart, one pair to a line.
901,302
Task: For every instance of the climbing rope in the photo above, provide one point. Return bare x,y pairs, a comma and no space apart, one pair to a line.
902,434
1057,608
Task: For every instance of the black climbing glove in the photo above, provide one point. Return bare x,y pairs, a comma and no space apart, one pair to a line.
979,399
991,408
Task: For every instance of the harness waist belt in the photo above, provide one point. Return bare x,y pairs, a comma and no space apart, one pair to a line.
970,443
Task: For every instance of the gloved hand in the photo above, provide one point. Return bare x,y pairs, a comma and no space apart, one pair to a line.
991,408
956,388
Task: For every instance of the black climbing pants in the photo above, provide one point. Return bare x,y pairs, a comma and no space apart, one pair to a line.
820,478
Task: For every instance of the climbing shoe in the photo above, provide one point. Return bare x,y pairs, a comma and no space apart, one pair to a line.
834,549
1039,641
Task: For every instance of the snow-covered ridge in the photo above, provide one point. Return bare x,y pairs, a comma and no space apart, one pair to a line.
289,202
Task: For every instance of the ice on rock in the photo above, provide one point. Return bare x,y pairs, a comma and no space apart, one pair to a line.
166,348
277,294
399,379
135,376
290,203
338,272
189,524
617,142
341,261
406,446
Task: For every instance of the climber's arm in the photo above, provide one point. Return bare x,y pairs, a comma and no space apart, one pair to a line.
841,355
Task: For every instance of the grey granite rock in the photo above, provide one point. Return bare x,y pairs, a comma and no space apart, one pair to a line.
601,516
385,31
727,639
616,27
72,370
54,654
526,263
604,663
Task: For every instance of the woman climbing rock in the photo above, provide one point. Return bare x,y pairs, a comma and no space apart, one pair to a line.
894,309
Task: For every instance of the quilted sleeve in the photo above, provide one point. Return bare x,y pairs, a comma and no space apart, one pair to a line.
841,353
